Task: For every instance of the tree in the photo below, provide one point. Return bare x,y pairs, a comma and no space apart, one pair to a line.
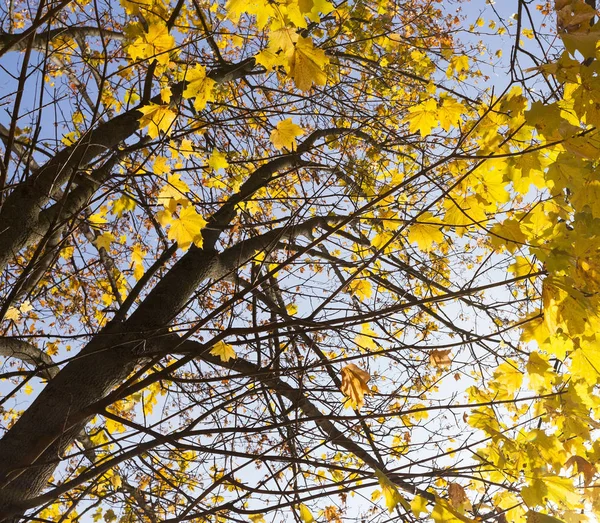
296,260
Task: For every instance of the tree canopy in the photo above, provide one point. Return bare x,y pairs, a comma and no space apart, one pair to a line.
299,260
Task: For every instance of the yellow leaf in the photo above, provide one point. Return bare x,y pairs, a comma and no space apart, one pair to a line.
165,94
161,166
156,44
418,505
539,373
507,379
552,488
223,350
28,389
361,288
96,220
164,217
285,135
585,362
459,64
306,64
259,8
12,314
186,229
199,87
507,234
522,266
122,205
115,481
423,117
218,161
137,256
291,309
354,384
312,8
390,492
104,240
450,113
257,518
305,514
157,118
425,234
443,512
174,189
270,60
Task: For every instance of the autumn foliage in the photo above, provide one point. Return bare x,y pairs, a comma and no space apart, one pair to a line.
299,260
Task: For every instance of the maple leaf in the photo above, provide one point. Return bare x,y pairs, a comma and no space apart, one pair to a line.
390,492
123,205
270,59
450,113
218,161
418,505
440,358
187,229
507,378
305,514
161,166
552,488
583,467
257,518
507,234
104,240
585,362
459,64
464,211
423,117
443,512
306,64
361,288
224,351
199,87
137,257
457,495
156,44
259,8
174,189
539,373
425,234
157,118
312,8
285,133
354,384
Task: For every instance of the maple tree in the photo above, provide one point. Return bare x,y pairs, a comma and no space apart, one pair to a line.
297,260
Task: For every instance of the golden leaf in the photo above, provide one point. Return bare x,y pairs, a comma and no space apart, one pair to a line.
285,134
199,86
306,64
223,350
186,229
157,118
354,384
440,358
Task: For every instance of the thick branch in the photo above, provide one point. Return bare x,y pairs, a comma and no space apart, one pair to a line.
30,354
19,42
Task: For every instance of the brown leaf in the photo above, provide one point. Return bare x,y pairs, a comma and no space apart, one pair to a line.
440,358
354,384
583,467
457,495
